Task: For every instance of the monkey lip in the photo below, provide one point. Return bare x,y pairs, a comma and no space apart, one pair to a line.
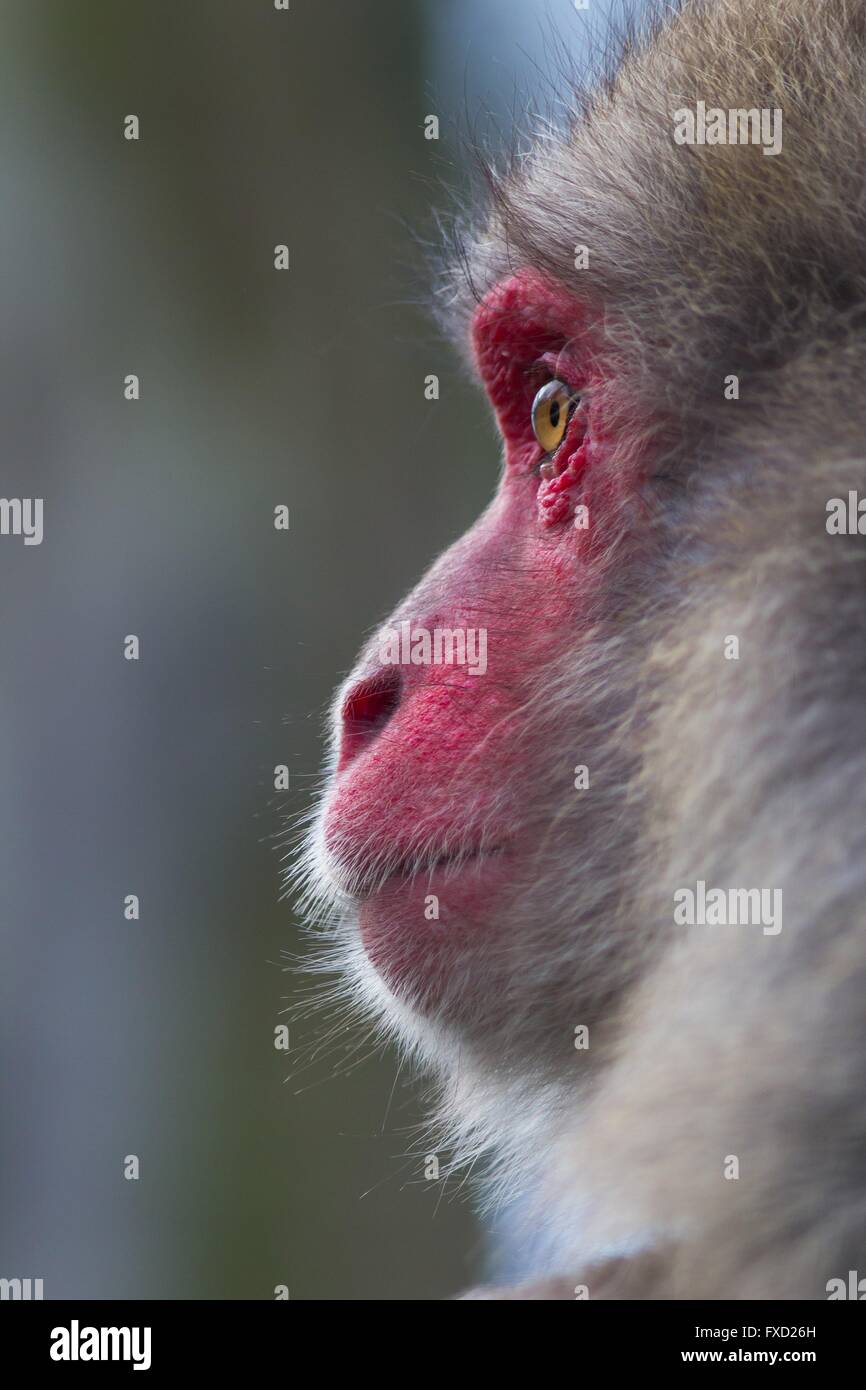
455,860
448,867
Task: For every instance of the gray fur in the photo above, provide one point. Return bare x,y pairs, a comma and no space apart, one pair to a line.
705,1043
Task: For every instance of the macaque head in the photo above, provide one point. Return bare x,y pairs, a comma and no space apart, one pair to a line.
642,313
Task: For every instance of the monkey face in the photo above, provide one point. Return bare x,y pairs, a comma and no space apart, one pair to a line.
467,735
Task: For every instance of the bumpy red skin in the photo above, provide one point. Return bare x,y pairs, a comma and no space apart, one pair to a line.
453,740
526,332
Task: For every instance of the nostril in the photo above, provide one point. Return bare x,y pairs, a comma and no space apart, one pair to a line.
367,709
372,702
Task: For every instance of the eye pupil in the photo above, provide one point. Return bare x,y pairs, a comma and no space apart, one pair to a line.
554,413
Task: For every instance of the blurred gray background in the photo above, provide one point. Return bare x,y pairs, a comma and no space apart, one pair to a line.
155,1037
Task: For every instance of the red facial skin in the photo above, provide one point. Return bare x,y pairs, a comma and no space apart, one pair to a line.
432,756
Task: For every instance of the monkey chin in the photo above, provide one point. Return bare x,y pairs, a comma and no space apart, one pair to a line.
419,930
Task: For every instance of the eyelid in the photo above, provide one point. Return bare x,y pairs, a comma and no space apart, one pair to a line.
555,366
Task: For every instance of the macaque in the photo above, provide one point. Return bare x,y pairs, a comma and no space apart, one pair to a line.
611,889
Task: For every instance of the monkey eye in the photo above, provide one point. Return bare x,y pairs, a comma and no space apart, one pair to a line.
551,411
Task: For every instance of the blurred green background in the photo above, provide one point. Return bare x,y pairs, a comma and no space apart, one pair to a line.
155,257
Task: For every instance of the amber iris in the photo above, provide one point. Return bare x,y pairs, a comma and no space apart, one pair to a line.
551,411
